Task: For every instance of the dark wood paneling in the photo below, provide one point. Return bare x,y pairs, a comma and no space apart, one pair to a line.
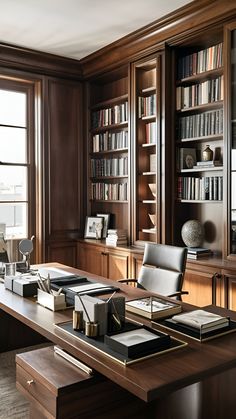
35,61
64,160
65,253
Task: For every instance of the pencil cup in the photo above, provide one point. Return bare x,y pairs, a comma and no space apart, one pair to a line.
78,323
91,329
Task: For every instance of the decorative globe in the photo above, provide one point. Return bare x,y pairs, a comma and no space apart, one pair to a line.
192,233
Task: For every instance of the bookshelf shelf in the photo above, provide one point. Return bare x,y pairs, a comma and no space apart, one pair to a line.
109,127
151,89
148,145
205,75
202,169
148,118
149,231
198,127
108,201
148,174
199,201
109,102
206,106
108,177
115,150
202,139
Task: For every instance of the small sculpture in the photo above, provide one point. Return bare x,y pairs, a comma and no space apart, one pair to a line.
192,233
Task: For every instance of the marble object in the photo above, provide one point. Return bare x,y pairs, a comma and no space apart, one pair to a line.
192,233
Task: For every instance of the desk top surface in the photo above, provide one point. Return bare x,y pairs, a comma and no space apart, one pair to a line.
148,379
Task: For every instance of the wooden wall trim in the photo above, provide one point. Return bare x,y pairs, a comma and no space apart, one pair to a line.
172,28
25,59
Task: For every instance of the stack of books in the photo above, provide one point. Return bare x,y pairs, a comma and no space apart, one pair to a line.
198,252
202,321
207,164
116,237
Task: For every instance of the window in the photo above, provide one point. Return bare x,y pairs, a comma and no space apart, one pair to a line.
16,158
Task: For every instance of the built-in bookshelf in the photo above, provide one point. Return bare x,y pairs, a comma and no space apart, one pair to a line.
199,138
146,123
109,147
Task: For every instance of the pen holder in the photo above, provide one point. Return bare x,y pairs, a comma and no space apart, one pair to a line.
78,323
53,302
91,329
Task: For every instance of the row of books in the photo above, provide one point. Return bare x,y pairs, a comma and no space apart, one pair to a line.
146,105
110,116
110,141
202,124
109,191
199,94
208,188
116,237
151,135
198,62
109,167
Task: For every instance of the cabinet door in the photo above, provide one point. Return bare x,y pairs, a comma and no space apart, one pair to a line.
137,261
118,264
230,281
200,288
90,259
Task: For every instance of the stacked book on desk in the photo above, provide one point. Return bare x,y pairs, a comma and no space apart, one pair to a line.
116,237
198,252
202,321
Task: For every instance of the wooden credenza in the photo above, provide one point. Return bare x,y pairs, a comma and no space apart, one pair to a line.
208,280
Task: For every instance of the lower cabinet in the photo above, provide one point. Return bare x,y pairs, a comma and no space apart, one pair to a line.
204,286
102,260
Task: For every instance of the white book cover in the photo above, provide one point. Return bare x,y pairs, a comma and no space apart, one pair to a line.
200,319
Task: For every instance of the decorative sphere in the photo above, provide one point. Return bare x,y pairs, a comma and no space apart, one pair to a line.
192,233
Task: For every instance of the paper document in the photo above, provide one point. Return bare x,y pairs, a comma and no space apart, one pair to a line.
89,287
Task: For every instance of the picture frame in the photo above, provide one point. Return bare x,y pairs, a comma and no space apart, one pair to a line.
106,221
93,227
187,158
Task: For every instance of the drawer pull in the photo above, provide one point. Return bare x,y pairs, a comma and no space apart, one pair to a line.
29,382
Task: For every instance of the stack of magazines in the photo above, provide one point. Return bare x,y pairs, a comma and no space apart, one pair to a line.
116,237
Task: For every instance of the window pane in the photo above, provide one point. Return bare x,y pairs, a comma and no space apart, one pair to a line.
13,145
12,108
15,218
13,183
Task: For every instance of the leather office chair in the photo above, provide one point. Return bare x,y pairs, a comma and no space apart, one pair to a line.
163,270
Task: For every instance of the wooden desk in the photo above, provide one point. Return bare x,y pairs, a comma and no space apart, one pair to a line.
166,382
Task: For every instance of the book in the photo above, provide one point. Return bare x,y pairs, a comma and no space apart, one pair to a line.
202,320
198,250
153,307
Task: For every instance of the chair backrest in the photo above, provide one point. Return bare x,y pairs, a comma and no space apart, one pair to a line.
163,268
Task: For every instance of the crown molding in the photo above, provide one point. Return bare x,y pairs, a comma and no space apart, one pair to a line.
152,38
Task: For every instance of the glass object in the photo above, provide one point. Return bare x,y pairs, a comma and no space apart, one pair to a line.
10,269
207,154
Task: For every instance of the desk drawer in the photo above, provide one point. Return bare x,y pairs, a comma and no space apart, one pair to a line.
51,383
33,387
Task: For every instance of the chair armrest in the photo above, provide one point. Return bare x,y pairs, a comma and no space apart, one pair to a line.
127,281
177,293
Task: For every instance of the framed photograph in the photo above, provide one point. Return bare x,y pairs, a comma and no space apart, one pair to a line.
106,220
187,158
93,227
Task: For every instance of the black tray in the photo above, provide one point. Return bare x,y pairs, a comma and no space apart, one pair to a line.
194,333
99,344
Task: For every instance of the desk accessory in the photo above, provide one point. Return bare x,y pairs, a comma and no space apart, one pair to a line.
73,360
99,345
153,307
78,321
53,302
198,333
95,314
